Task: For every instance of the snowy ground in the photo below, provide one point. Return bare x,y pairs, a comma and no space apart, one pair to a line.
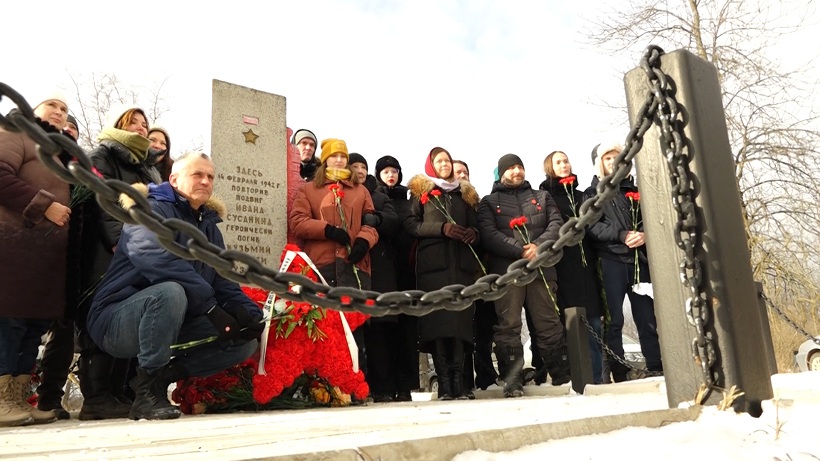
789,429
546,423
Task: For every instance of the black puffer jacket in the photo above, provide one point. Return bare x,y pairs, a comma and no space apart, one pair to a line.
101,231
505,244
609,233
578,283
383,255
402,242
441,261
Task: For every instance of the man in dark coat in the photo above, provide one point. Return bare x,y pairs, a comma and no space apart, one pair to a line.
151,299
511,198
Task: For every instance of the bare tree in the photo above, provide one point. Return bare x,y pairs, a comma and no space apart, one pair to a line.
773,126
97,93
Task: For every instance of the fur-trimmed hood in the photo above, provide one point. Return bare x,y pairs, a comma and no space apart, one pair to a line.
419,184
165,192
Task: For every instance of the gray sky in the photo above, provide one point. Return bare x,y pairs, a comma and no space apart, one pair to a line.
480,78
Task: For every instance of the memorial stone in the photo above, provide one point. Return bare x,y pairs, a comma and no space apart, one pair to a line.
249,148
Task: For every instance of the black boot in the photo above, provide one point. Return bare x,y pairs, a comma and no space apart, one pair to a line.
457,370
57,357
152,394
513,357
557,363
95,384
445,392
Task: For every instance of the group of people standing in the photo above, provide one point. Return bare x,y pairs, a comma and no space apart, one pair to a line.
60,251
435,232
134,310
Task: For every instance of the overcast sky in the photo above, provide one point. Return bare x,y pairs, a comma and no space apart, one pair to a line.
480,78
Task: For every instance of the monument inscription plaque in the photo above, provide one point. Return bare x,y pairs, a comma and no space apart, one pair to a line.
249,148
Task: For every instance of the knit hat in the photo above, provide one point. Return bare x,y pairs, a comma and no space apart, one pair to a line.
52,95
356,158
384,162
429,169
70,119
163,131
332,146
116,111
508,161
604,147
303,133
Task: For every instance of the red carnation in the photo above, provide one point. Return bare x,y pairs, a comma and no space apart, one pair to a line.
634,196
435,193
425,197
568,181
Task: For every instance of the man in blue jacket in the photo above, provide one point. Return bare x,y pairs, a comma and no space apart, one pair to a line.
151,299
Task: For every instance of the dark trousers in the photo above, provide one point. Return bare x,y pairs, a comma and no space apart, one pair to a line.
618,280
392,355
19,344
485,320
57,358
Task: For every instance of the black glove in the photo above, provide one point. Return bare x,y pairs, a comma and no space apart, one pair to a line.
470,235
453,231
337,234
371,219
250,326
358,251
225,323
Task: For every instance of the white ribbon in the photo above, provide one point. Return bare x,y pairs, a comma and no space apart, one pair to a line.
290,256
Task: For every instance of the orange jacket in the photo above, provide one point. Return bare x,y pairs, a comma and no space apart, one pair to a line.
314,208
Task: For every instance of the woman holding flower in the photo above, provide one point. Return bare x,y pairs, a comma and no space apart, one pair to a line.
443,220
618,238
327,215
578,283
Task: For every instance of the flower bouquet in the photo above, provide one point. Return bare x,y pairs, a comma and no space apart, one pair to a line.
306,359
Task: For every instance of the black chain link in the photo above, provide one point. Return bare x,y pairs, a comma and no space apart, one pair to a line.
791,322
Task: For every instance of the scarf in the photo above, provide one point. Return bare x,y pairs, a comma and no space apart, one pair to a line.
445,185
337,174
137,145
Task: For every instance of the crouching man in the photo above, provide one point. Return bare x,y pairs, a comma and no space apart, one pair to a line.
151,299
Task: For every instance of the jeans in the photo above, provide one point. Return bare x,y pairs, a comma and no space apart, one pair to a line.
148,323
19,343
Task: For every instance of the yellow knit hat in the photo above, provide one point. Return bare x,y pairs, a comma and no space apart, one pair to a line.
332,146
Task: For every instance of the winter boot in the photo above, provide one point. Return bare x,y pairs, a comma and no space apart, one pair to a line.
557,363
513,357
20,388
445,391
152,395
10,414
457,370
95,384
54,368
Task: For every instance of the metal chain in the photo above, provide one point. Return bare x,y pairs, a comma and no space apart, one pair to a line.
609,352
791,322
686,230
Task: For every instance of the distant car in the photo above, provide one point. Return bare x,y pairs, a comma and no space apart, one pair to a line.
808,355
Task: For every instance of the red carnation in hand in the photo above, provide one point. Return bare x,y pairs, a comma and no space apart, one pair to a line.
424,198
568,181
634,196
435,193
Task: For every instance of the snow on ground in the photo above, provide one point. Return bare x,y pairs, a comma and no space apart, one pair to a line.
788,430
